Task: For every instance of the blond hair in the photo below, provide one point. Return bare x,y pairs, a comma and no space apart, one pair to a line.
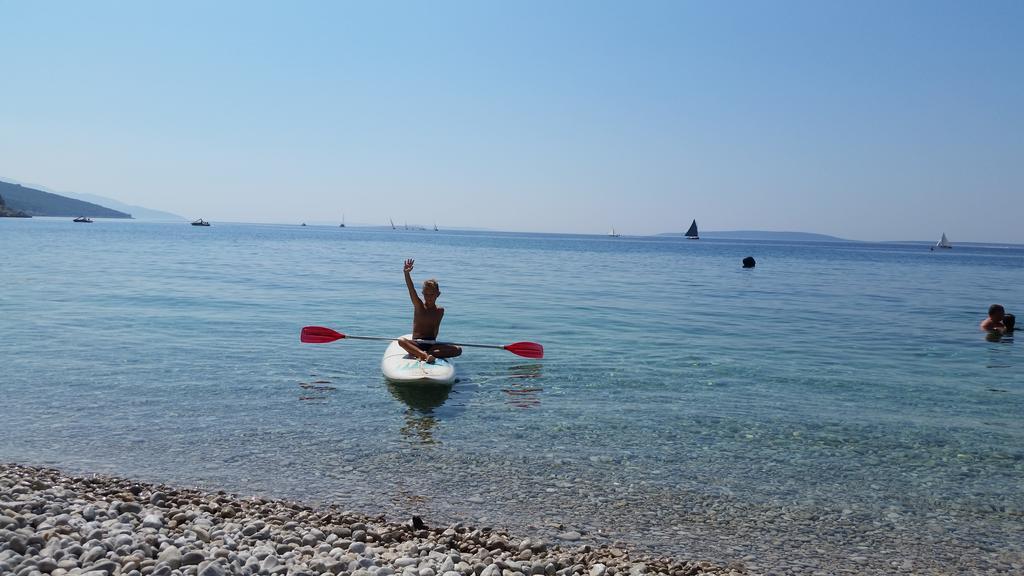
431,283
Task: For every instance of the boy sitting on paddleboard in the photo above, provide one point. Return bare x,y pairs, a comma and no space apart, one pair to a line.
426,321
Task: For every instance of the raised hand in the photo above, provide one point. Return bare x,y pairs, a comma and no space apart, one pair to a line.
408,265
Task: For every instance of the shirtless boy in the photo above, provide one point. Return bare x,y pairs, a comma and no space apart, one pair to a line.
426,321
998,320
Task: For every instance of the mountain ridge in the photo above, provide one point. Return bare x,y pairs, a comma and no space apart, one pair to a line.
35,202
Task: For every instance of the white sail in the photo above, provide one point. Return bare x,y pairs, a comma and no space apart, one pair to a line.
692,232
943,242
613,233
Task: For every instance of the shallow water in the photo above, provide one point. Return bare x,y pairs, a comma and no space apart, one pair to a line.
834,403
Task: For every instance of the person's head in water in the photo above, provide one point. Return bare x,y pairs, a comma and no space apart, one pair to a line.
749,262
1009,322
430,291
995,321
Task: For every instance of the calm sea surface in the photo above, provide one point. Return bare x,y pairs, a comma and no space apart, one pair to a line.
836,406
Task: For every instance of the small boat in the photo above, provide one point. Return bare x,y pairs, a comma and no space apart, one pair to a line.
692,232
942,243
435,226
613,233
401,368
392,223
84,219
303,223
342,225
200,222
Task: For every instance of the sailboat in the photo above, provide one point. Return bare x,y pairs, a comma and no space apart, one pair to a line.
692,232
342,225
613,233
435,226
392,223
942,243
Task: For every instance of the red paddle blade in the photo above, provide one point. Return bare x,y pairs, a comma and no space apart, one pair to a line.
526,349
319,335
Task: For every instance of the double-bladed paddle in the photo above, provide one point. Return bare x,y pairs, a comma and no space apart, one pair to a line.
322,335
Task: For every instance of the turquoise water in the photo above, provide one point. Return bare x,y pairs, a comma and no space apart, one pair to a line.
834,402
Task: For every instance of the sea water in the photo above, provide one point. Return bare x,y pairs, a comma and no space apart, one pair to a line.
835,405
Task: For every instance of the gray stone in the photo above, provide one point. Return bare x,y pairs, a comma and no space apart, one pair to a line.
192,558
212,569
153,521
269,563
130,508
18,544
170,556
598,570
357,547
106,566
94,553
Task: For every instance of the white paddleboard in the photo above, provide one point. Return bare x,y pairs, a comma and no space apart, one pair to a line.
401,368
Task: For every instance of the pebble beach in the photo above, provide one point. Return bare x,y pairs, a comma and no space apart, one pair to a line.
57,524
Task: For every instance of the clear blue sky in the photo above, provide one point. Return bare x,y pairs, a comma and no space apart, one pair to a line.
867,120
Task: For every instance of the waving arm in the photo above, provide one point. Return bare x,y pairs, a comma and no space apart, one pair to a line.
416,302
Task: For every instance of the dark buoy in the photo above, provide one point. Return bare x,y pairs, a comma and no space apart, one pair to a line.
749,262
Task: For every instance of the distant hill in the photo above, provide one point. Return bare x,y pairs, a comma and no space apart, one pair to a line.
137,212
763,235
6,212
38,203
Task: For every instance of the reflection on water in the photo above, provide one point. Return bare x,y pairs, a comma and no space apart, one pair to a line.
993,336
420,417
316,389
522,392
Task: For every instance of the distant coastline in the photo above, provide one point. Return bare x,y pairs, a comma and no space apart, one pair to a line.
33,202
764,235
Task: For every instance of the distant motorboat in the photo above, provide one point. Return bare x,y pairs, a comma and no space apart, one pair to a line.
613,233
942,243
200,222
83,219
435,226
692,232
342,225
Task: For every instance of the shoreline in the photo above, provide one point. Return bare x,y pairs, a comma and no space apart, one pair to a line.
60,524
